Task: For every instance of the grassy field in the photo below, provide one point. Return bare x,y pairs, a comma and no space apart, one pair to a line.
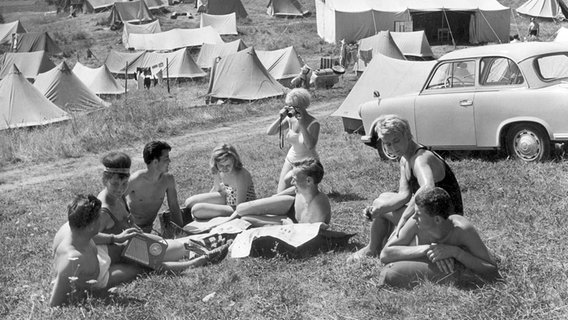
519,209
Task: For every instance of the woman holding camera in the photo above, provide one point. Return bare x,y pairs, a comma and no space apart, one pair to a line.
302,132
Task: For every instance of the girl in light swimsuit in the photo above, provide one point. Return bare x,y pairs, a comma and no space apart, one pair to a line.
302,132
232,185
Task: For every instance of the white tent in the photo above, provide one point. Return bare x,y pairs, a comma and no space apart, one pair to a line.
224,24
561,34
413,44
174,39
30,63
7,29
62,87
551,9
283,64
390,77
476,20
286,8
22,105
381,43
209,52
99,80
152,27
117,61
180,64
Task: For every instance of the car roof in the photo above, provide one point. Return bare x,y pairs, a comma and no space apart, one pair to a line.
517,52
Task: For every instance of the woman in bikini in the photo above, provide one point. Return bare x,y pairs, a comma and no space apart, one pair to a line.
419,168
232,185
302,132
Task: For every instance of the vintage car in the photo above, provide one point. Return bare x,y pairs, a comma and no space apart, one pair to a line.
506,96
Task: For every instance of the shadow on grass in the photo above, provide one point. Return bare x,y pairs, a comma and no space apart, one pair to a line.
344,197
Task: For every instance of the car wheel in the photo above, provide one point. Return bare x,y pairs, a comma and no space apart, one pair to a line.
384,153
528,142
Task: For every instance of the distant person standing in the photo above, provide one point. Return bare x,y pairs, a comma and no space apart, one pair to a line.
533,28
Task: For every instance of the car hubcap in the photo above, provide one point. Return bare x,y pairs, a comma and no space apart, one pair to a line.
527,145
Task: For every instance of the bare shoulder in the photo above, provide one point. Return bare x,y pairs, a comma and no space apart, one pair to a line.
137,175
461,223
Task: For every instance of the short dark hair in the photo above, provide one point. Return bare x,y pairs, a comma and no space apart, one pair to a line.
153,150
222,152
435,200
116,160
83,210
312,168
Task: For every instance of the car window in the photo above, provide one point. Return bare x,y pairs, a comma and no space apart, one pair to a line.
453,75
498,71
553,66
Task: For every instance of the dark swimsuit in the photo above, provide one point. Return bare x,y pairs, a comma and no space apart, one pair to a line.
449,183
119,225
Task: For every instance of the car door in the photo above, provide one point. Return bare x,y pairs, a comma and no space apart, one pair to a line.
444,110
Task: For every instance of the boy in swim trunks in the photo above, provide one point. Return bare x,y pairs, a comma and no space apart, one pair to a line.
78,264
148,187
437,246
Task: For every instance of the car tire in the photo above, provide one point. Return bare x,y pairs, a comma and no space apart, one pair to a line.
528,142
383,152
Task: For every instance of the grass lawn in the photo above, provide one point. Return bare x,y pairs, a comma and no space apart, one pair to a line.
518,208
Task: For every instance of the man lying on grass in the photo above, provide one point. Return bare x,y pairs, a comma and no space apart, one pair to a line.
436,246
148,187
81,266
301,203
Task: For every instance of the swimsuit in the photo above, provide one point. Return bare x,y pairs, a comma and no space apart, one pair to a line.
298,151
231,194
119,225
449,183
104,266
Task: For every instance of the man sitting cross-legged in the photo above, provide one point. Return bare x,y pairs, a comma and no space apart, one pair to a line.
147,188
302,203
436,246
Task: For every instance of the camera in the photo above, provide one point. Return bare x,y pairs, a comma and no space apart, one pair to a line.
291,112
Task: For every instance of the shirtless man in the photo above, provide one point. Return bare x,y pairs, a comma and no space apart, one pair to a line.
436,246
303,202
78,264
147,187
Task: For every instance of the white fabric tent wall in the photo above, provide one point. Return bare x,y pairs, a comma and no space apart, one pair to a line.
30,63
224,24
99,80
561,34
152,27
7,29
210,51
116,61
22,105
413,43
174,39
542,8
282,64
180,64
381,43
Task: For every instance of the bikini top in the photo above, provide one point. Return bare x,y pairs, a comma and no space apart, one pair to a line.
119,225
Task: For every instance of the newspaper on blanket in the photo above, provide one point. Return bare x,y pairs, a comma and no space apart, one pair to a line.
293,234
195,227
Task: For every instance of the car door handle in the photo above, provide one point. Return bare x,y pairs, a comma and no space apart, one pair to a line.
466,103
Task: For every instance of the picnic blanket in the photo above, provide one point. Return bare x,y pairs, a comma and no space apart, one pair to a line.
292,240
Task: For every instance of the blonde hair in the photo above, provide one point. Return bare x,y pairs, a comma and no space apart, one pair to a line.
222,152
298,97
390,124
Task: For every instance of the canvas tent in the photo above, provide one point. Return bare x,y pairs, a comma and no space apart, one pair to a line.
35,41
174,39
30,64
220,7
475,20
286,8
283,64
390,77
551,9
180,64
99,80
381,43
561,34
134,11
7,29
90,6
210,51
152,27
156,4
242,76
413,45
22,105
62,87
224,24
116,61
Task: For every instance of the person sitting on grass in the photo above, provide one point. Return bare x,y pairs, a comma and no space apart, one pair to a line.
301,203
148,187
232,185
419,168
436,245
80,265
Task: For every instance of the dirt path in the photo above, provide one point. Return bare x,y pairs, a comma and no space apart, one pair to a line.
23,176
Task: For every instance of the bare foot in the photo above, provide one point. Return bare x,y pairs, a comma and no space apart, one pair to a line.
362,253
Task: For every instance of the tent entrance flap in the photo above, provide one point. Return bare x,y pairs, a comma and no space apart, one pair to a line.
441,26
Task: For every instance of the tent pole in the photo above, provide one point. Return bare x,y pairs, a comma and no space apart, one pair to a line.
126,80
449,28
168,74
